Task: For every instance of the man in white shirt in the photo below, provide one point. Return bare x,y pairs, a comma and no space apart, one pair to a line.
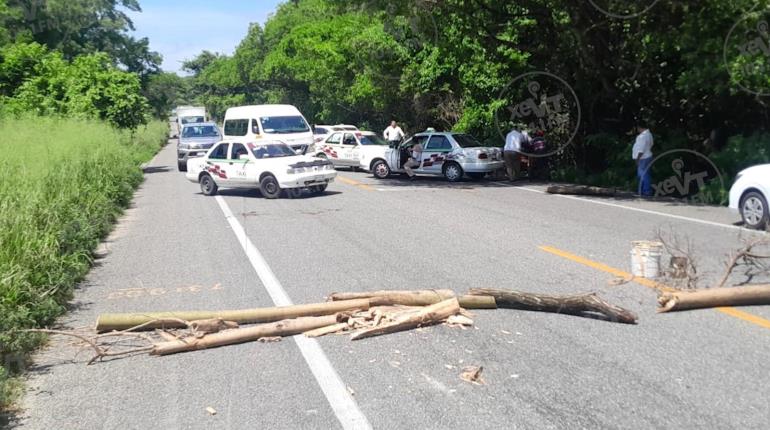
642,155
393,134
513,143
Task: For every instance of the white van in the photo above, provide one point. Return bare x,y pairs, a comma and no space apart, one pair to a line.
189,115
249,124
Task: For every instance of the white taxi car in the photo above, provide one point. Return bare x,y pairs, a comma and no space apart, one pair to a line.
452,155
270,166
749,196
348,148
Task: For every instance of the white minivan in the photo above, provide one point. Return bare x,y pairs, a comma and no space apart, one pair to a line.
285,123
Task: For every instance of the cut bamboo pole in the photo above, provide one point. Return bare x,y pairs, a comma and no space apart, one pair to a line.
573,305
429,315
108,322
229,337
323,331
581,190
715,297
415,298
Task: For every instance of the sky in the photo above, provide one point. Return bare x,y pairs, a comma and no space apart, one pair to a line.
181,29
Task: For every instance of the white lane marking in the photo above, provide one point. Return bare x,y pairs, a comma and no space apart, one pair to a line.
336,392
647,211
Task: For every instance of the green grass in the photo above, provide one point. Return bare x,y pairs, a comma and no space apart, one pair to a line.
63,183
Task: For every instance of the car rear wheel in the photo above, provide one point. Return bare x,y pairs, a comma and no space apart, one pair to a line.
453,172
322,155
269,187
754,210
208,186
182,166
477,175
380,169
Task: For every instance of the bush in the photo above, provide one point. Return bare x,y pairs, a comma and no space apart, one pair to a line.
64,183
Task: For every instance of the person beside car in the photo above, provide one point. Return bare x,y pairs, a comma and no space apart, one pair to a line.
642,154
513,144
413,161
393,134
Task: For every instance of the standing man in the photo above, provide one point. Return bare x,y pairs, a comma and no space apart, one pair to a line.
393,134
414,160
642,155
513,142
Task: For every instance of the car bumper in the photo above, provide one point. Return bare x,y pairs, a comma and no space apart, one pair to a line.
482,167
186,154
301,180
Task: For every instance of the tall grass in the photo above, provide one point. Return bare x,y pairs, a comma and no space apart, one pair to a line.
62,185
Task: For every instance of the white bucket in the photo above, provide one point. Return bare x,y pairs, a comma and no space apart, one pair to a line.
645,259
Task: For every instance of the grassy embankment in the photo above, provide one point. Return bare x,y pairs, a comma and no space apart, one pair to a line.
63,183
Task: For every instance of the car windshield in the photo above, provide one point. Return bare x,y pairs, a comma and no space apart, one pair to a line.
191,119
372,139
284,124
466,141
272,150
200,131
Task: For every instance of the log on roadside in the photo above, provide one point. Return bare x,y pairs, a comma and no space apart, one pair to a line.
562,304
581,190
429,315
715,297
415,298
323,331
248,334
153,320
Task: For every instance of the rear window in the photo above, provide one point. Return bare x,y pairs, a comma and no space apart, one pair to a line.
236,127
371,139
321,130
200,131
466,141
191,119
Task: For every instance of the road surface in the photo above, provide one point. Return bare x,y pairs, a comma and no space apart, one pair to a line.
176,249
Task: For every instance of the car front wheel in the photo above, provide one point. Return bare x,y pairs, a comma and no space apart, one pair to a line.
318,189
208,186
269,187
453,172
182,166
754,210
380,169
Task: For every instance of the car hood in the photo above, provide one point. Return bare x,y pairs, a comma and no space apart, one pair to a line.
760,169
199,142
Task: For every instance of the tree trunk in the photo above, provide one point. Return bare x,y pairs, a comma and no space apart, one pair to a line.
108,322
572,305
581,190
715,297
229,337
415,298
429,315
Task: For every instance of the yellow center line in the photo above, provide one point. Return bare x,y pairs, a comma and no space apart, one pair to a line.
733,312
354,183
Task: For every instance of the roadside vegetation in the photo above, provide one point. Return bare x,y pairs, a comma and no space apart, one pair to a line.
76,125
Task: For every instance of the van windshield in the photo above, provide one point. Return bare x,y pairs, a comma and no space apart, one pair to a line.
284,124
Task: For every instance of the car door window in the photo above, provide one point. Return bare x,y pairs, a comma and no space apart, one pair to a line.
220,152
349,139
236,127
438,143
334,139
238,150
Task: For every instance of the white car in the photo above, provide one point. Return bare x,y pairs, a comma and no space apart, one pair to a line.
270,166
348,148
321,132
749,195
449,154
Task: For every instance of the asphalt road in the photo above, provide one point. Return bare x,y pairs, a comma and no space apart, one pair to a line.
175,249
